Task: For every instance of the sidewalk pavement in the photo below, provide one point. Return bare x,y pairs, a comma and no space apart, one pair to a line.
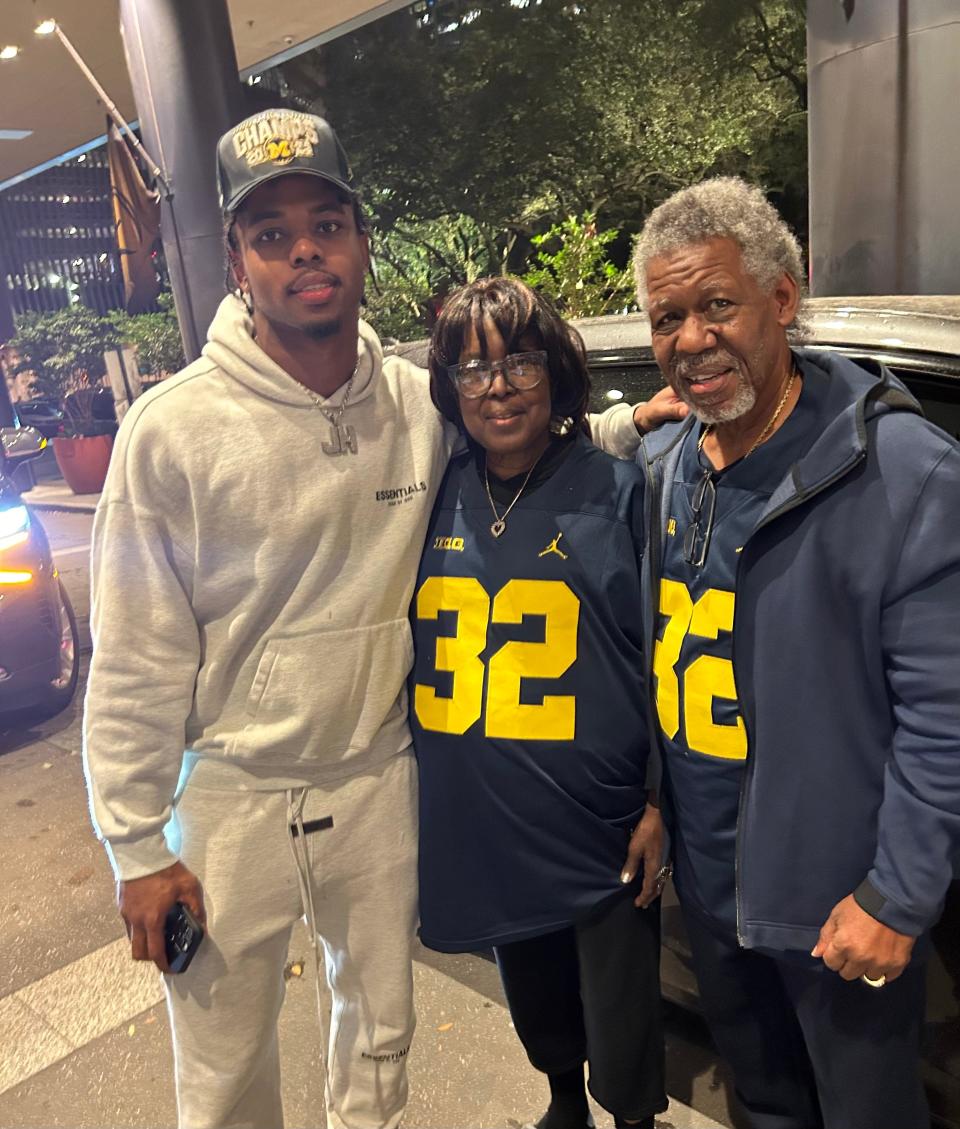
90,1047
55,494
85,1042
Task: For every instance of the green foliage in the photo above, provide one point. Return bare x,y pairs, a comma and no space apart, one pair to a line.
63,350
603,105
418,263
155,337
572,268
507,117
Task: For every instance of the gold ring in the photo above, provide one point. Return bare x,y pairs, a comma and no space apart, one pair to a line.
872,982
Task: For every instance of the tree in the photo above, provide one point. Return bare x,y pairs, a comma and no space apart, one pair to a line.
604,104
506,116
418,263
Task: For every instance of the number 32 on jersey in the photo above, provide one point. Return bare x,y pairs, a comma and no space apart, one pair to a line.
505,715
706,678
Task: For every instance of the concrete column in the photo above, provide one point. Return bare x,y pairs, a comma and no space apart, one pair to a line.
884,146
183,68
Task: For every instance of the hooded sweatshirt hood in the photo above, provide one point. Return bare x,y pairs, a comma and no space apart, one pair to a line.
232,347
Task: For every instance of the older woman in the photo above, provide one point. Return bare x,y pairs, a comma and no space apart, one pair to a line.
530,708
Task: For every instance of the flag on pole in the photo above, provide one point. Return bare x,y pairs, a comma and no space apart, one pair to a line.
136,212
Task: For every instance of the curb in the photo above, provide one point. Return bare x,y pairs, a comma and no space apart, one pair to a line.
60,507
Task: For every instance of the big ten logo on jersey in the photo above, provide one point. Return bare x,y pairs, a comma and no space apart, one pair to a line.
448,544
693,690
504,714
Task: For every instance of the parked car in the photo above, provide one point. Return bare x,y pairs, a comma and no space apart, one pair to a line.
39,644
918,338
45,415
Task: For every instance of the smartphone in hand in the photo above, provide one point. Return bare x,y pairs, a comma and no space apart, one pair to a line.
182,934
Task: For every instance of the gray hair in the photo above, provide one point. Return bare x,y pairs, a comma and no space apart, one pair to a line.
723,207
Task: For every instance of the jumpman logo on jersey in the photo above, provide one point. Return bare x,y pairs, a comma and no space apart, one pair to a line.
552,548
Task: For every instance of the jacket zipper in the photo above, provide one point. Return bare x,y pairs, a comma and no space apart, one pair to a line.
650,636
841,471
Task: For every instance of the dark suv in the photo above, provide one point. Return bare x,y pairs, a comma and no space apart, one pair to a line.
918,338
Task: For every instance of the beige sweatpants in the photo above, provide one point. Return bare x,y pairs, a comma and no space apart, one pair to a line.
224,1008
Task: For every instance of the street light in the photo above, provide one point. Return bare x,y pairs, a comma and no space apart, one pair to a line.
9,52
47,27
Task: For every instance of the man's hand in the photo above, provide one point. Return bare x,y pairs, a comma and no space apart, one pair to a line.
145,902
662,408
855,944
646,850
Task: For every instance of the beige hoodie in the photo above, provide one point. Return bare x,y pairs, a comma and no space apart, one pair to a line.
250,593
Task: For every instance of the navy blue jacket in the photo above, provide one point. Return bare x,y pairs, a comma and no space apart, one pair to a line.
846,653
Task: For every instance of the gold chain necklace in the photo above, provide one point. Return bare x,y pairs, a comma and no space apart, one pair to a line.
500,520
765,434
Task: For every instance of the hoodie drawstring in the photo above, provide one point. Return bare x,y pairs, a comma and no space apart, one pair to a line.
296,837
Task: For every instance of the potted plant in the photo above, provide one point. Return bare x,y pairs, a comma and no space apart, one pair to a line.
63,353
156,339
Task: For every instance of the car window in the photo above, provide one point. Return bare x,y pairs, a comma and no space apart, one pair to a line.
939,397
636,382
933,378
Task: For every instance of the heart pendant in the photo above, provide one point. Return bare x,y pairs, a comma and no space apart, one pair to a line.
498,527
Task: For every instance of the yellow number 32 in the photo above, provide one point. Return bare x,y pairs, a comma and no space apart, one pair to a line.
706,678
506,716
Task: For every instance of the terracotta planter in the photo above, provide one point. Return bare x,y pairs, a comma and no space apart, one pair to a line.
83,462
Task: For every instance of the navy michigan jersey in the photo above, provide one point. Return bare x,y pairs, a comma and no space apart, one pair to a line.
697,701
528,702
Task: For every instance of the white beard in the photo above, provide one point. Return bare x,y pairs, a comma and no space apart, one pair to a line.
743,400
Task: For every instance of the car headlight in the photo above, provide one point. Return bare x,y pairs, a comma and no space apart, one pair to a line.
14,524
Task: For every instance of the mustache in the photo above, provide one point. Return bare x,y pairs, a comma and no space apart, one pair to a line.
313,278
682,367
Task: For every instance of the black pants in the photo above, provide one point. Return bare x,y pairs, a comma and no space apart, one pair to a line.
808,1049
592,993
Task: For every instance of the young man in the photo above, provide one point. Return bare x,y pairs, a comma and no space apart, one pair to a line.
804,600
255,551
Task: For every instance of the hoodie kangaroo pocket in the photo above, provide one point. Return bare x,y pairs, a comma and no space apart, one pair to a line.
323,697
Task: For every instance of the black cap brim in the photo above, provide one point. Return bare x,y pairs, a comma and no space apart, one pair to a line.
231,206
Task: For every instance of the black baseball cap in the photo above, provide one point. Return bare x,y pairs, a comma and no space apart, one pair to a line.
274,143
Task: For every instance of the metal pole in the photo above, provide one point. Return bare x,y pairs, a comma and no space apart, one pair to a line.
111,107
183,69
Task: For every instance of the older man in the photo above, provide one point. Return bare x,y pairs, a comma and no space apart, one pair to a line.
804,592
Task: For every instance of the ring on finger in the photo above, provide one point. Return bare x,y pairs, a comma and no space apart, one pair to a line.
874,981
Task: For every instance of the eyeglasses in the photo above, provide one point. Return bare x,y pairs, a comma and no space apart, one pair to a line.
522,371
696,541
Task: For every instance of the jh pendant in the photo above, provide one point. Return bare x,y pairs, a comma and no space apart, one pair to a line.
343,441
498,527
